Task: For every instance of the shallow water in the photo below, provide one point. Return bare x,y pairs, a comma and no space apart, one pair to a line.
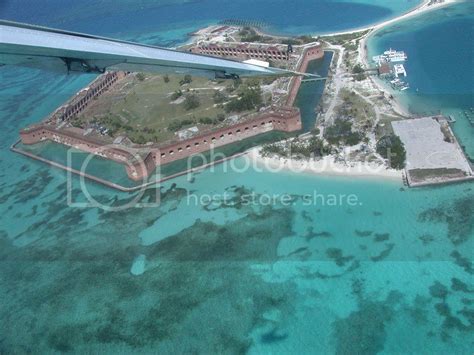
203,270
169,21
440,70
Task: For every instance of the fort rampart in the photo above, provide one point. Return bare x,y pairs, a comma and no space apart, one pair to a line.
140,161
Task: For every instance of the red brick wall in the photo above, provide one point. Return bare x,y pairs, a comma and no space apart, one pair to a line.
286,119
310,54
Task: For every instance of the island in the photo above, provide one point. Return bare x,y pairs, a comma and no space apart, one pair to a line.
147,121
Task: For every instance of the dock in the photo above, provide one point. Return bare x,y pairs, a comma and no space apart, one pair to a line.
399,69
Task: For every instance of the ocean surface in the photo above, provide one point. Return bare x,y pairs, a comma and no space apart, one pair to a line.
167,22
231,261
440,64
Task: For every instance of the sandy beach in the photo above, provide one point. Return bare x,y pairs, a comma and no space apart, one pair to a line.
327,166
423,7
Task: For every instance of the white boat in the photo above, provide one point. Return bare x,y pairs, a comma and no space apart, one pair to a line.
399,57
394,55
399,69
406,87
391,56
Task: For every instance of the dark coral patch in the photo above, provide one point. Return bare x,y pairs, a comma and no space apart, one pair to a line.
458,217
360,233
382,237
385,253
338,256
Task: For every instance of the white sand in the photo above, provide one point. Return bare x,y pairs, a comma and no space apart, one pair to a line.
324,167
416,11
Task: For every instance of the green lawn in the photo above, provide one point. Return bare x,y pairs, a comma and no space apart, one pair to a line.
141,106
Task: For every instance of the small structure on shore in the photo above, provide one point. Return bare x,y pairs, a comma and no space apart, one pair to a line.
390,66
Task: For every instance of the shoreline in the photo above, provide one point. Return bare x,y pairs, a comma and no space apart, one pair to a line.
324,167
328,166
420,9
397,105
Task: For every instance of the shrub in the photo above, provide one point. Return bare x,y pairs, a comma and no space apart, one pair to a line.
186,80
191,102
207,120
141,76
176,95
166,78
249,99
219,97
358,69
391,147
177,125
341,132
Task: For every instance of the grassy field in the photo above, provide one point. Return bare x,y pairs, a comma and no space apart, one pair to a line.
357,108
151,108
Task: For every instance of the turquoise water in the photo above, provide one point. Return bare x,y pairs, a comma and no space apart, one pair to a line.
205,271
310,93
440,65
168,21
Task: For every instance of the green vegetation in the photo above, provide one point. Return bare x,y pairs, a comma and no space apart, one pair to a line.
141,76
175,126
341,132
356,109
351,46
391,147
148,110
249,99
248,34
176,95
296,148
191,102
188,79
359,72
384,126
303,39
219,97
343,38
426,174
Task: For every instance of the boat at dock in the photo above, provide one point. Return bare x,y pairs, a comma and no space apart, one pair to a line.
399,69
390,56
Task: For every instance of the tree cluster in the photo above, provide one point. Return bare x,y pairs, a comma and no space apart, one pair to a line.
392,148
249,99
341,132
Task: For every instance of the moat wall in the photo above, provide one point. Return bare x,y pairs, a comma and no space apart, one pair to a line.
310,54
140,161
